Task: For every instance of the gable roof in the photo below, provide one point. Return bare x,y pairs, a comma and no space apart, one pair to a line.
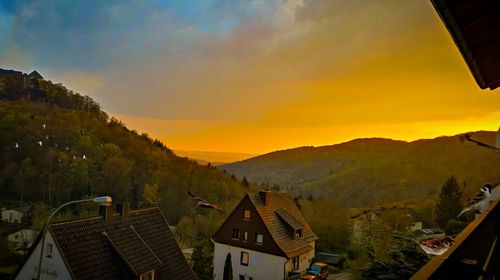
282,205
121,248
35,75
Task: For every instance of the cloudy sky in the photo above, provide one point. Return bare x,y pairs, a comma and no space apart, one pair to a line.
254,75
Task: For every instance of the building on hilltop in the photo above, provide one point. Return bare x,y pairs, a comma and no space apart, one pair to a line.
35,75
10,73
119,244
267,237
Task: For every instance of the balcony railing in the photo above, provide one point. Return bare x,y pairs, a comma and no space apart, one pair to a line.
475,253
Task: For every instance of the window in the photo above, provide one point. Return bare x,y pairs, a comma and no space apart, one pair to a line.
242,277
298,234
246,214
236,233
49,250
295,263
259,238
244,258
150,275
245,236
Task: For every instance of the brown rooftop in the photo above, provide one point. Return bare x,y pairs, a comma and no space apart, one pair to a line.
278,216
288,219
121,247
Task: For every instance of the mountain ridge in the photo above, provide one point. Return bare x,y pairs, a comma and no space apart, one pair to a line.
367,171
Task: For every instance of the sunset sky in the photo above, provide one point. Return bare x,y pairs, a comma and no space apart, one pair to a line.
254,76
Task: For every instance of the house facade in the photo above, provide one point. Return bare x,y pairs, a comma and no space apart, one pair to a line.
119,244
16,215
267,238
20,241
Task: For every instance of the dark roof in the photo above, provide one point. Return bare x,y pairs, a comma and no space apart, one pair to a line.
278,226
121,248
288,219
24,209
475,28
35,75
5,72
132,249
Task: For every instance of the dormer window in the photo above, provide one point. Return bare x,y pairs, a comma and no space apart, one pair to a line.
150,275
298,234
246,214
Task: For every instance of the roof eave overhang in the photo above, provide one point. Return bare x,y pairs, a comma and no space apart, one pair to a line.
458,37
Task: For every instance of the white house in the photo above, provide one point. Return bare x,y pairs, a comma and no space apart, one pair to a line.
267,238
16,215
20,241
121,244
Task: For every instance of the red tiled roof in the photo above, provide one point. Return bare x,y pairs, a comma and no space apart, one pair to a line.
121,248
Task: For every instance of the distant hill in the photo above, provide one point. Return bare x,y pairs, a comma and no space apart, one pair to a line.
366,172
214,158
57,145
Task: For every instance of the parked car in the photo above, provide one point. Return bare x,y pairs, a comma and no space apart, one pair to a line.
317,271
334,261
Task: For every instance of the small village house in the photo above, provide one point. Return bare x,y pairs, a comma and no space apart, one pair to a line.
119,244
19,242
267,237
17,215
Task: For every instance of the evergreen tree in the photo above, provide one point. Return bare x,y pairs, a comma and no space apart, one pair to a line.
228,268
403,259
202,264
449,204
245,182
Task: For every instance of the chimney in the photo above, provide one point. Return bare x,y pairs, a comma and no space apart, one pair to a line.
123,208
106,211
265,196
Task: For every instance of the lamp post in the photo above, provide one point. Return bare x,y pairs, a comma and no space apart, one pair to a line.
101,199
397,219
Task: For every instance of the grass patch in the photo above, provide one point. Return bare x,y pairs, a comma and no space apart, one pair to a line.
7,269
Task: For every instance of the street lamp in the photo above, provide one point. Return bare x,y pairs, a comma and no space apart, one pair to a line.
101,199
397,219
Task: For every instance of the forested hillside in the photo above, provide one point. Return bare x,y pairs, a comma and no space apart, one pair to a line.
367,172
57,145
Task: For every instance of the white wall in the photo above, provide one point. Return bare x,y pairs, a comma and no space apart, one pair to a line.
12,216
261,266
304,261
52,267
24,235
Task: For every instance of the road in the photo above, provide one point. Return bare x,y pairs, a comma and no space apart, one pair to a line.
340,276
